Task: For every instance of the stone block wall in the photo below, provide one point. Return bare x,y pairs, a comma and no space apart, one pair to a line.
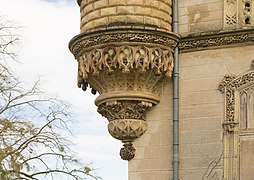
198,16
201,118
102,13
153,160
202,108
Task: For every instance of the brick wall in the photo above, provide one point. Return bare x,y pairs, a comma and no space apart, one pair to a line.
99,13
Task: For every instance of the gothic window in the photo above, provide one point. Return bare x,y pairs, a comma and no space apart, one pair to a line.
246,133
239,126
243,110
247,109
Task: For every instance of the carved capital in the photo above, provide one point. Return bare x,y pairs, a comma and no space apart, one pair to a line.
230,126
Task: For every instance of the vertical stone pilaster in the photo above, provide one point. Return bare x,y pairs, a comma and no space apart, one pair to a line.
231,14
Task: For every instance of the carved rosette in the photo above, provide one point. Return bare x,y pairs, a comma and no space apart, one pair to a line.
127,69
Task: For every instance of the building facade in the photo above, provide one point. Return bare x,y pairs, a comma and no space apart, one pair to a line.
128,52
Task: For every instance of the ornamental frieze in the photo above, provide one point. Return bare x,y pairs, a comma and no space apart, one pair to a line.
82,42
216,40
111,59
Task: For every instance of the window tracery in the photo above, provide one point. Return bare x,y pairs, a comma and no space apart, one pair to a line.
238,125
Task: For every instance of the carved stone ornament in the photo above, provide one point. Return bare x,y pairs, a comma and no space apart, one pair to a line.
213,40
230,14
126,68
247,13
232,86
229,85
238,14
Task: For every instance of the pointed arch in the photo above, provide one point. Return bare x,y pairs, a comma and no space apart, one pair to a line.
238,124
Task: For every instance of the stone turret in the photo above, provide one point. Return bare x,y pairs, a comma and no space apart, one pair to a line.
111,13
124,52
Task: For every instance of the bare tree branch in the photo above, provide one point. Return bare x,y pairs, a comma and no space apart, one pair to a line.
30,149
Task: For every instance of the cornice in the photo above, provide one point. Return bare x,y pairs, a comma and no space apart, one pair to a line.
215,40
101,36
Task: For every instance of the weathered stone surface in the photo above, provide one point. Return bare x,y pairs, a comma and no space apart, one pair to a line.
124,52
154,13
217,40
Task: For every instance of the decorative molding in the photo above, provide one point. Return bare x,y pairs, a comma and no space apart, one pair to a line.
127,68
230,14
238,14
127,129
85,41
227,78
231,86
125,58
127,152
216,40
123,109
247,13
230,126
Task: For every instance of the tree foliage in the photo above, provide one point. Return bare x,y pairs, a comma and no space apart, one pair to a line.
31,146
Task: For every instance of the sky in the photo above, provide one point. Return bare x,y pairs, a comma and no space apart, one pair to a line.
47,26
